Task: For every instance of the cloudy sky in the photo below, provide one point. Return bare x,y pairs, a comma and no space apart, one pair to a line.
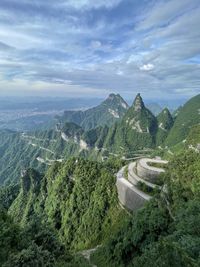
91,48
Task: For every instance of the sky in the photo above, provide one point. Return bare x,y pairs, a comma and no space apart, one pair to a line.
88,48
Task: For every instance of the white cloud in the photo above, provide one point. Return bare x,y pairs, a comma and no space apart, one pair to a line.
91,3
165,12
147,67
23,87
100,49
96,44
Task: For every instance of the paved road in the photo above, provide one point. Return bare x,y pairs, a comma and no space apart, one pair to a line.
133,176
144,164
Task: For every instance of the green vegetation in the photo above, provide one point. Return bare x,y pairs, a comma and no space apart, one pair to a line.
156,164
193,137
35,244
15,155
166,231
165,123
147,189
138,129
77,198
126,172
56,212
187,117
51,217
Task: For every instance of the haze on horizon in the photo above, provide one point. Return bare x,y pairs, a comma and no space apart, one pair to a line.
91,48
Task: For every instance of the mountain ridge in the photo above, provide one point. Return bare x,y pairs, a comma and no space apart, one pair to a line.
110,110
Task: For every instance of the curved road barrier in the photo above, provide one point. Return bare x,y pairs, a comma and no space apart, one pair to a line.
150,173
129,195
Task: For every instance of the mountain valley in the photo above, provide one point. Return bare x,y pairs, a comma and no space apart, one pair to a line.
61,184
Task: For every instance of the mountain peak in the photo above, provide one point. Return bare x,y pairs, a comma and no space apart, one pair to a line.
113,96
165,114
138,103
166,111
116,100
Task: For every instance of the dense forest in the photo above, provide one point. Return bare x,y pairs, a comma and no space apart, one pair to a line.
74,206
59,202
166,231
70,208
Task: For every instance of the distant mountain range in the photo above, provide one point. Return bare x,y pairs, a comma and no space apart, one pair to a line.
110,129
154,108
73,206
109,111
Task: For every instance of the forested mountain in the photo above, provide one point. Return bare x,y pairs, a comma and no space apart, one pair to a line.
109,111
74,206
166,231
193,138
165,123
188,116
70,208
137,130
63,205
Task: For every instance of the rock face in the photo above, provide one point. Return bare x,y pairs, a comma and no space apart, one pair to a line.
138,103
108,112
140,118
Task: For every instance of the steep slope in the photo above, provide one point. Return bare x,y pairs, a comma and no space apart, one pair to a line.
15,154
165,123
166,231
109,111
75,204
136,130
77,197
35,150
39,149
193,138
188,116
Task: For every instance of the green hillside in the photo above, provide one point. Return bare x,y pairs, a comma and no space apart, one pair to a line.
15,155
165,123
188,116
166,231
193,137
74,206
77,197
137,129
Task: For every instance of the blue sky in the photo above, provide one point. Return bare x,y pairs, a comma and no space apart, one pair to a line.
88,48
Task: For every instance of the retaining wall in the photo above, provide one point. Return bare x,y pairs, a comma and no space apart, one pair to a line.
129,197
149,173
